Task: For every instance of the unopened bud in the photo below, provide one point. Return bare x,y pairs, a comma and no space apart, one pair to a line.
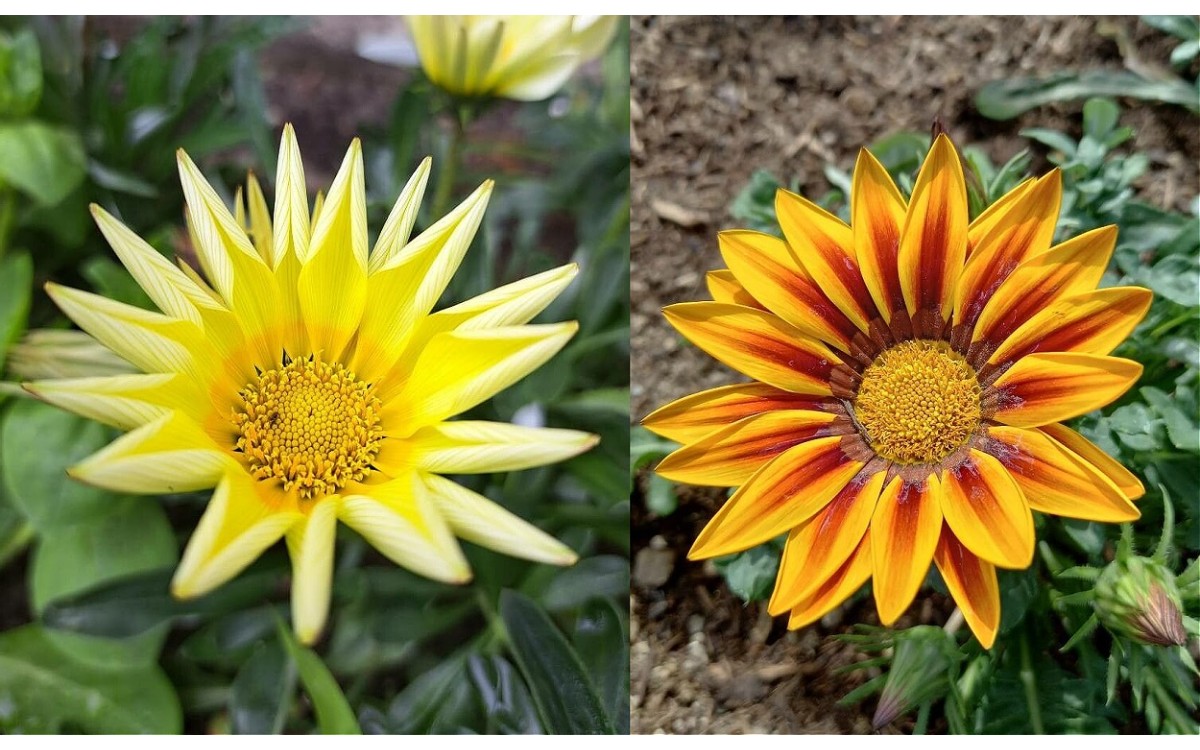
1137,597
923,656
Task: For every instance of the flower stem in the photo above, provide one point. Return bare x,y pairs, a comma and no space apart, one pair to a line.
1029,683
449,171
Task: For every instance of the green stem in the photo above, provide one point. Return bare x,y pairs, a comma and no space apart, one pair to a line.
1029,683
8,214
449,171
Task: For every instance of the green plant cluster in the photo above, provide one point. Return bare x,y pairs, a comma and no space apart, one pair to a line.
90,640
1089,679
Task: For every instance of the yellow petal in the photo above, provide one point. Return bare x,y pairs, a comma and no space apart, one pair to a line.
724,287
124,401
692,417
171,454
1089,452
239,524
260,221
477,519
414,277
399,519
396,230
333,280
877,213
470,447
291,221
460,369
845,581
310,545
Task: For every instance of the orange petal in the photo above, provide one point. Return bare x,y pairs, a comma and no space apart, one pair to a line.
783,494
824,246
1046,388
692,417
1091,453
756,344
933,244
849,578
1073,267
904,533
972,582
1054,480
985,509
723,286
1024,229
985,222
876,215
767,269
1092,322
731,455
816,550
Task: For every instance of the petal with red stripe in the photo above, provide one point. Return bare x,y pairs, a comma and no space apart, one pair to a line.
1073,267
845,581
1045,388
985,509
1092,323
1054,480
876,215
984,223
770,274
816,550
1094,455
692,417
904,533
756,344
972,582
782,495
824,247
933,243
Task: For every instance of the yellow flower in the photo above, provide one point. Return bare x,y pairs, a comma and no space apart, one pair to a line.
309,382
913,370
513,57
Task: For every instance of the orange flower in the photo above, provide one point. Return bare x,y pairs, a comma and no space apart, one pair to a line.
913,372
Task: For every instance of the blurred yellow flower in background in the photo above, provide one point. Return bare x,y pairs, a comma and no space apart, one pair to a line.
526,58
309,382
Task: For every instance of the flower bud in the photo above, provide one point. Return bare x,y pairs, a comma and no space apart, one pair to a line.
1137,597
923,655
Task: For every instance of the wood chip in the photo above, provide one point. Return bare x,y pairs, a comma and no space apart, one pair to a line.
677,214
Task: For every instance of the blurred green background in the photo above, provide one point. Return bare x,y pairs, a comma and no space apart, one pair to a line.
92,111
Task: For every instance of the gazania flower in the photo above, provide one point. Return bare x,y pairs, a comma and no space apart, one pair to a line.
308,382
912,373
512,57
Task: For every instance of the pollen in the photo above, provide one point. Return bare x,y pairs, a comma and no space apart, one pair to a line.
918,402
309,424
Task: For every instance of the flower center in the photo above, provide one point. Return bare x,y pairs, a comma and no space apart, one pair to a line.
310,424
918,402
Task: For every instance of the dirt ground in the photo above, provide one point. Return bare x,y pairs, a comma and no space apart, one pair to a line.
714,100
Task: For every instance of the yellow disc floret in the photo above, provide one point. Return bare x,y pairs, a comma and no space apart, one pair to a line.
918,402
310,424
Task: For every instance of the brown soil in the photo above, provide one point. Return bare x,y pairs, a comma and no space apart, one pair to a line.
714,100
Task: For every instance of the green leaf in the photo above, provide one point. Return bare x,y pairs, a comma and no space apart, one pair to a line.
134,537
20,74
1099,118
602,642
660,495
334,715
16,278
506,700
592,577
45,162
1006,99
562,691
261,694
751,574
135,604
47,691
37,444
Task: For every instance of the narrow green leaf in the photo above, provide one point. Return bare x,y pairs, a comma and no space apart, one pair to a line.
334,715
561,688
